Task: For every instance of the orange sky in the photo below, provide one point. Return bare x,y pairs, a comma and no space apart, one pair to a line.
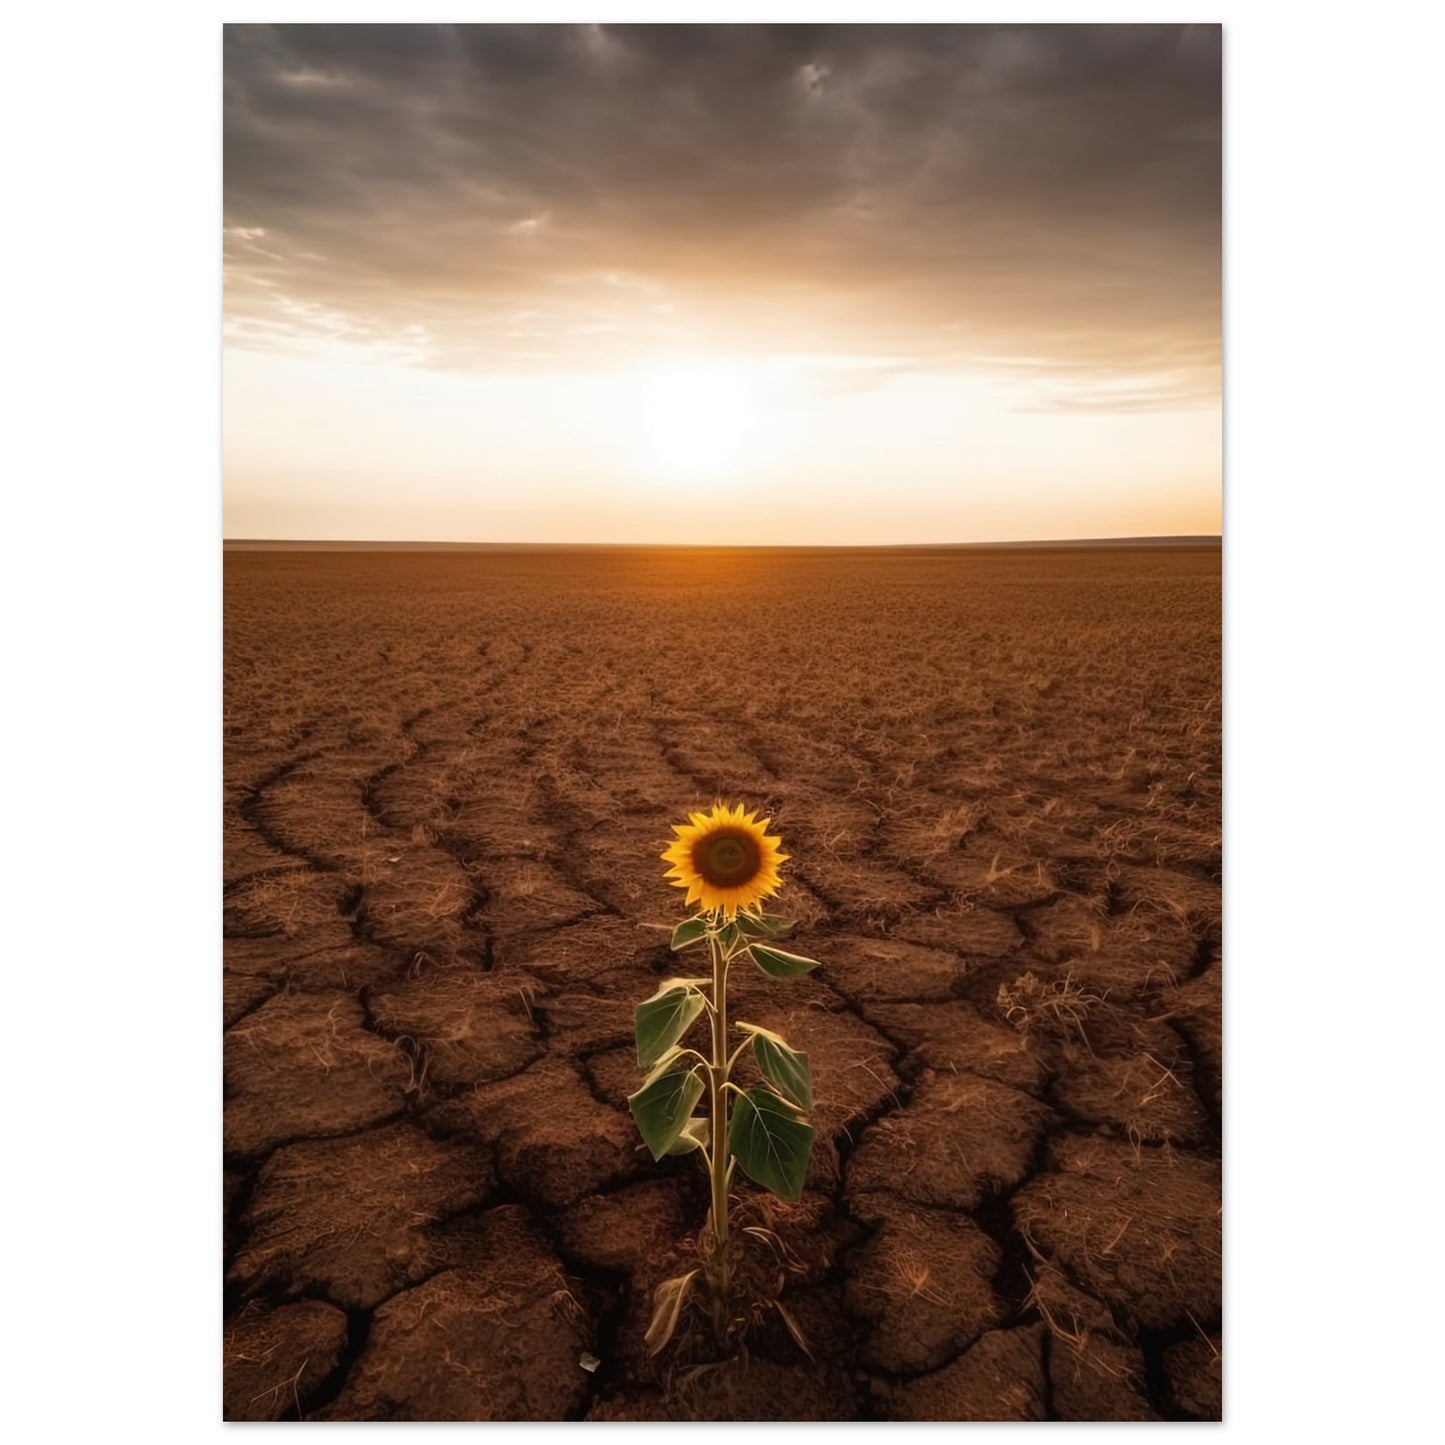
690,284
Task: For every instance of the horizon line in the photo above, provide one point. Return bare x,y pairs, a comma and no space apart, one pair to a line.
1189,539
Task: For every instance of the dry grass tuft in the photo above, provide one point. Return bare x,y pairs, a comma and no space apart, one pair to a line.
1061,1008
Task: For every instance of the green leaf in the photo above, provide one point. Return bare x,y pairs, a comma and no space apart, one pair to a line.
766,926
694,1136
662,1066
728,938
772,1141
782,1066
688,932
666,1016
779,964
662,1107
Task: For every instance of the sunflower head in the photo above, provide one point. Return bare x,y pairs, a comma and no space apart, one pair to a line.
725,859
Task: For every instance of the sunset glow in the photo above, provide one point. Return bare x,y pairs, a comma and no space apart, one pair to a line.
703,421
880,285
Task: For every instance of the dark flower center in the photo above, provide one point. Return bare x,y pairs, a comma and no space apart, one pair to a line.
726,857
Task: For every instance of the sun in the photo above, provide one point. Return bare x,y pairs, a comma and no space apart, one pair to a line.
725,858
698,419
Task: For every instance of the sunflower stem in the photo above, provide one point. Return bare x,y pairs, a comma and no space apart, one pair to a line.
718,1112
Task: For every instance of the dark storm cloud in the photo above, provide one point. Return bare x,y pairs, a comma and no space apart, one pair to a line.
1044,196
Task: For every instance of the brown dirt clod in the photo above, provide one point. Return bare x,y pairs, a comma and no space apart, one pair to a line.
497,1337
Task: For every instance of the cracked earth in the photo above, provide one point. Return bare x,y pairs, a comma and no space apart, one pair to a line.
447,781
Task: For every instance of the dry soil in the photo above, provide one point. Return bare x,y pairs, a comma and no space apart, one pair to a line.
447,782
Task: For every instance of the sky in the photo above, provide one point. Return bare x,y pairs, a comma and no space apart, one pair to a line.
722,284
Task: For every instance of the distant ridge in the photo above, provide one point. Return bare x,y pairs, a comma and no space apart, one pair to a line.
256,544
1203,539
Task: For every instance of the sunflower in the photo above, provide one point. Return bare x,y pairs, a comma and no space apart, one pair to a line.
725,859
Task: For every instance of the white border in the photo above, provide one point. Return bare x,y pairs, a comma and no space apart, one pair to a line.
112,724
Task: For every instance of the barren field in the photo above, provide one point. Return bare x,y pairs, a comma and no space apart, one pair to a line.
447,782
